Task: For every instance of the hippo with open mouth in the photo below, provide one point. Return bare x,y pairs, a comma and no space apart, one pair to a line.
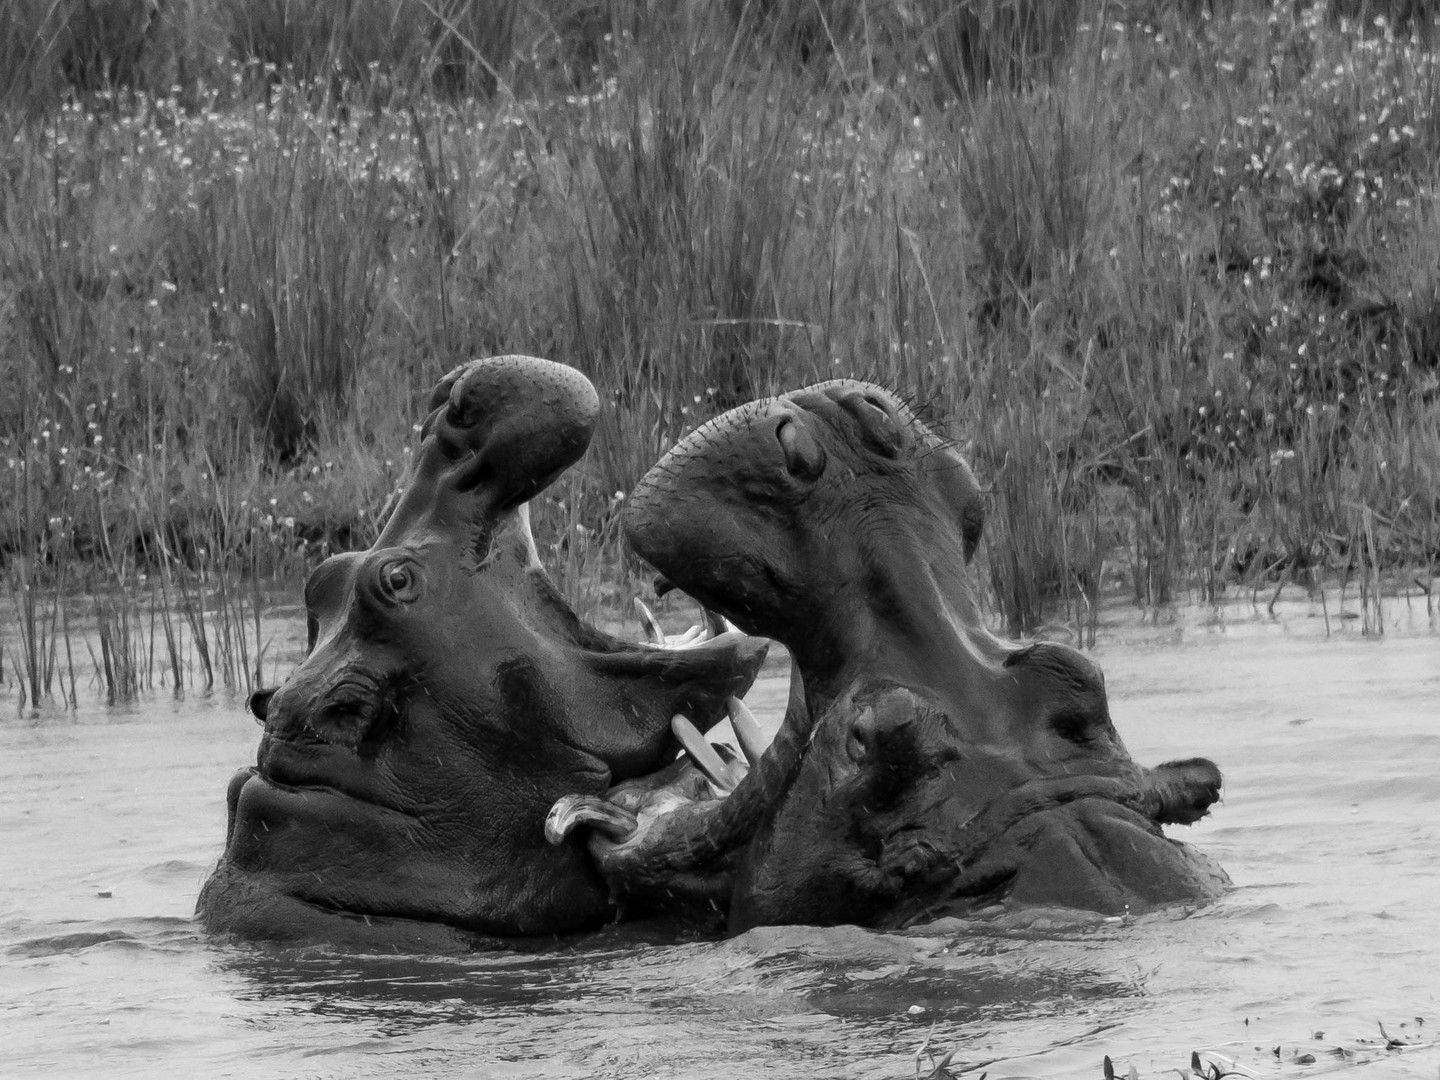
448,697
924,767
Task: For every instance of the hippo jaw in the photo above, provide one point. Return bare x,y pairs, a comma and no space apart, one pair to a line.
833,520
896,815
448,697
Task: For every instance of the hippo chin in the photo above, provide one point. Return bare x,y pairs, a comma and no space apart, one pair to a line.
448,697
924,767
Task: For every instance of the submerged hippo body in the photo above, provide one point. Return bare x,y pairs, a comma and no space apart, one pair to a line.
927,768
448,696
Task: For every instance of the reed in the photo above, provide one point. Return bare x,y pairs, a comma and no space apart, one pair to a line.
1191,348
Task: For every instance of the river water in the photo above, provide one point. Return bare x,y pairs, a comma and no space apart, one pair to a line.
111,818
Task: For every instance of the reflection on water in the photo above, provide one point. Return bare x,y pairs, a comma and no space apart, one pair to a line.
109,822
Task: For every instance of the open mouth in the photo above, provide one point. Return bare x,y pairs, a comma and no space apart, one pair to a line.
672,830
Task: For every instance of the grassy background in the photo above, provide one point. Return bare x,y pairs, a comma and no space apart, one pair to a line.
1169,271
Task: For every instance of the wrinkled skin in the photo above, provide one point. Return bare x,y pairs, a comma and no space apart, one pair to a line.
448,697
930,768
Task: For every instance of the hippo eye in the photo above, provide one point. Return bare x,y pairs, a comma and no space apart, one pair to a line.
1073,725
399,582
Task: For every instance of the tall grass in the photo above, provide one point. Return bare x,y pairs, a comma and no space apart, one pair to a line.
304,245
1166,271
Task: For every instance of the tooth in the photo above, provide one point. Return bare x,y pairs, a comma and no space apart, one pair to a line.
735,765
533,553
730,637
715,623
651,624
694,636
716,770
572,810
747,730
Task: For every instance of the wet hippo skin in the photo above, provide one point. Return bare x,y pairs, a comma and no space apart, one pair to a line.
449,695
925,767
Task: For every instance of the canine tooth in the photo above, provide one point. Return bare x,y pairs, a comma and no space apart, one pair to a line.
572,810
532,552
715,623
715,768
694,636
651,624
747,730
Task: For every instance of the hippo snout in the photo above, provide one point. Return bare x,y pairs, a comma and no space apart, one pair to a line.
882,720
351,710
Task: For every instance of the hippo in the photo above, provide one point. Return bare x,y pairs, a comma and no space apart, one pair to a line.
447,698
925,767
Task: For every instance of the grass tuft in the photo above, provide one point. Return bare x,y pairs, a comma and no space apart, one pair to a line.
1192,347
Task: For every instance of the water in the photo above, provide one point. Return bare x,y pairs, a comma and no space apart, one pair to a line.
110,820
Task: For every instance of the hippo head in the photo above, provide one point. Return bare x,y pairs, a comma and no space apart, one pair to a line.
447,697
928,767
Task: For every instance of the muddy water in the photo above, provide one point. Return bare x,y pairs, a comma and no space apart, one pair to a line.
1330,827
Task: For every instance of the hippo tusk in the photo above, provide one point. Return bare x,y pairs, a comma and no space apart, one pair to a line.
716,768
572,810
747,730
715,623
686,836
650,623
738,816
699,838
532,553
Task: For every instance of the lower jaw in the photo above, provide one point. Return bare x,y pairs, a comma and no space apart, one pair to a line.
315,864
242,906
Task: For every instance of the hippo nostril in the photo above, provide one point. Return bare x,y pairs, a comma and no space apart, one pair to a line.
873,414
804,456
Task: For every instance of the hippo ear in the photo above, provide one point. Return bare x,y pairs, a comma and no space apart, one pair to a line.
500,430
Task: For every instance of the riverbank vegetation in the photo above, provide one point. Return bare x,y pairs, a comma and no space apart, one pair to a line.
1169,272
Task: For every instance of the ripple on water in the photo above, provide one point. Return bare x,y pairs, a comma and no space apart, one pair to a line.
1327,827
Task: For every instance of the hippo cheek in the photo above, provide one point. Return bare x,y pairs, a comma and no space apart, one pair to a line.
451,850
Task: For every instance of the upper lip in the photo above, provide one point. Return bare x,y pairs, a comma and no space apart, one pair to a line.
316,765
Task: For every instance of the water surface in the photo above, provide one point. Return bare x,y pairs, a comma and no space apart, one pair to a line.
1330,827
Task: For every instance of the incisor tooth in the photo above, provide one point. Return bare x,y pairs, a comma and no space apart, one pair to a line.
703,754
747,730
694,636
